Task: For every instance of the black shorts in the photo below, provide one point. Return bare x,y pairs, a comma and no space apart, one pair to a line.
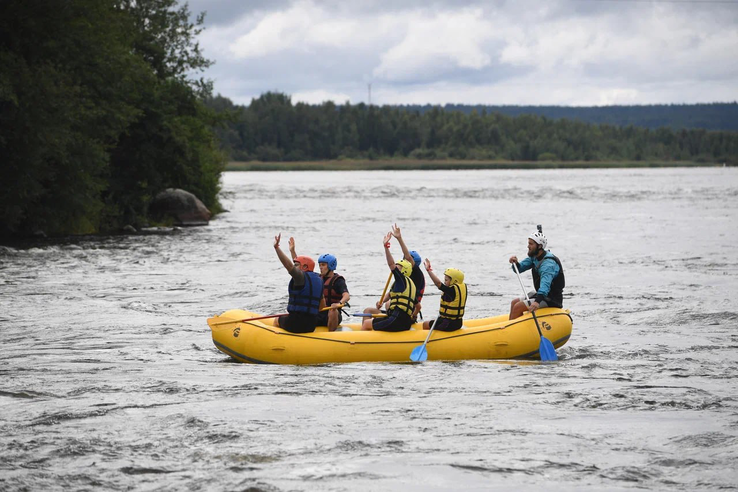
546,302
396,320
323,318
298,322
445,324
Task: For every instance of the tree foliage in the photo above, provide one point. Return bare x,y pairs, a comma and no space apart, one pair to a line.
97,113
712,116
271,128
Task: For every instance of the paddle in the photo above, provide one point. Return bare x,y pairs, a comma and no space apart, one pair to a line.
546,349
267,316
381,299
369,315
419,353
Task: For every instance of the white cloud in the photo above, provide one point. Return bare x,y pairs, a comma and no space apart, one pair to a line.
277,31
306,27
444,41
660,44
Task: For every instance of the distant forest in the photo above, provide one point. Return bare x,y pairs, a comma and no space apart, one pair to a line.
272,128
715,116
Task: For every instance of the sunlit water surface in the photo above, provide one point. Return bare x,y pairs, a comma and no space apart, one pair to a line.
109,378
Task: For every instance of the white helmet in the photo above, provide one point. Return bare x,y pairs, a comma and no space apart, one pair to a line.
540,238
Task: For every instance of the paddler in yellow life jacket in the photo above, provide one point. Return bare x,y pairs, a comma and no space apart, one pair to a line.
305,290
453,299
402,297
417,274
335,291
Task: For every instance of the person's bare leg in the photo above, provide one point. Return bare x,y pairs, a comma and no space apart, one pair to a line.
512,307
367,323
518,309
332,319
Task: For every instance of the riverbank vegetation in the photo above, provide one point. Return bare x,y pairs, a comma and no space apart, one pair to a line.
273,129
98,113
436,165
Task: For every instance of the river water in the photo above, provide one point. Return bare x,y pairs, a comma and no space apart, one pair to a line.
109,378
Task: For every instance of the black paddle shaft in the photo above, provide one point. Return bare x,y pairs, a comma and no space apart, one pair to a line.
536,320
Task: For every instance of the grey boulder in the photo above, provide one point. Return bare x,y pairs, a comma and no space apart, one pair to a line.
179,206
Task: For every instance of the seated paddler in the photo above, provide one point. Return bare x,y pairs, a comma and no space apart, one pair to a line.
548,277
335,291
305,293
453,299
417,275
402,297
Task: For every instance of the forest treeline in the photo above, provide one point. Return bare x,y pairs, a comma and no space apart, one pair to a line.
272,128
99,112
713,116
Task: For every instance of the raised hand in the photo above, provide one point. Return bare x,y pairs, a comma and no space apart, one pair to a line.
396,231
292,246
386,240
277,238
427,265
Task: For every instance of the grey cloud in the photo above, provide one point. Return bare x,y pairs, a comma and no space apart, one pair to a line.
537,62
224,12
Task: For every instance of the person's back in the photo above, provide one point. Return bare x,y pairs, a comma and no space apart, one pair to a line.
419,280
551,271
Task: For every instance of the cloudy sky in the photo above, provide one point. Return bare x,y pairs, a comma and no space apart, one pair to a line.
539,52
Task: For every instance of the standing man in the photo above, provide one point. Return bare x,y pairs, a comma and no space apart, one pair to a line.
548,277
305,290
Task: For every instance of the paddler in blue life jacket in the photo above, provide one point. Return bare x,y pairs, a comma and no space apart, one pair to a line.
417,275
305,290
453,299
548,277
402,297
335,291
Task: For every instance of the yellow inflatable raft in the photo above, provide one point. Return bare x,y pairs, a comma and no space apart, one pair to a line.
261,342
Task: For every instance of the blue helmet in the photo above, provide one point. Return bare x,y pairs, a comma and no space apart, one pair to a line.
416,258
330,260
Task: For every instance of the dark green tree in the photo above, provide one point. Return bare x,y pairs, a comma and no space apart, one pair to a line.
97,113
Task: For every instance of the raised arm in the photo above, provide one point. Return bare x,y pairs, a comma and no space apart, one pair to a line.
292,248
432,275
405,252
288,264
388,255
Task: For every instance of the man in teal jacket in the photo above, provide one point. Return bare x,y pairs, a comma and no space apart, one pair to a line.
548,277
